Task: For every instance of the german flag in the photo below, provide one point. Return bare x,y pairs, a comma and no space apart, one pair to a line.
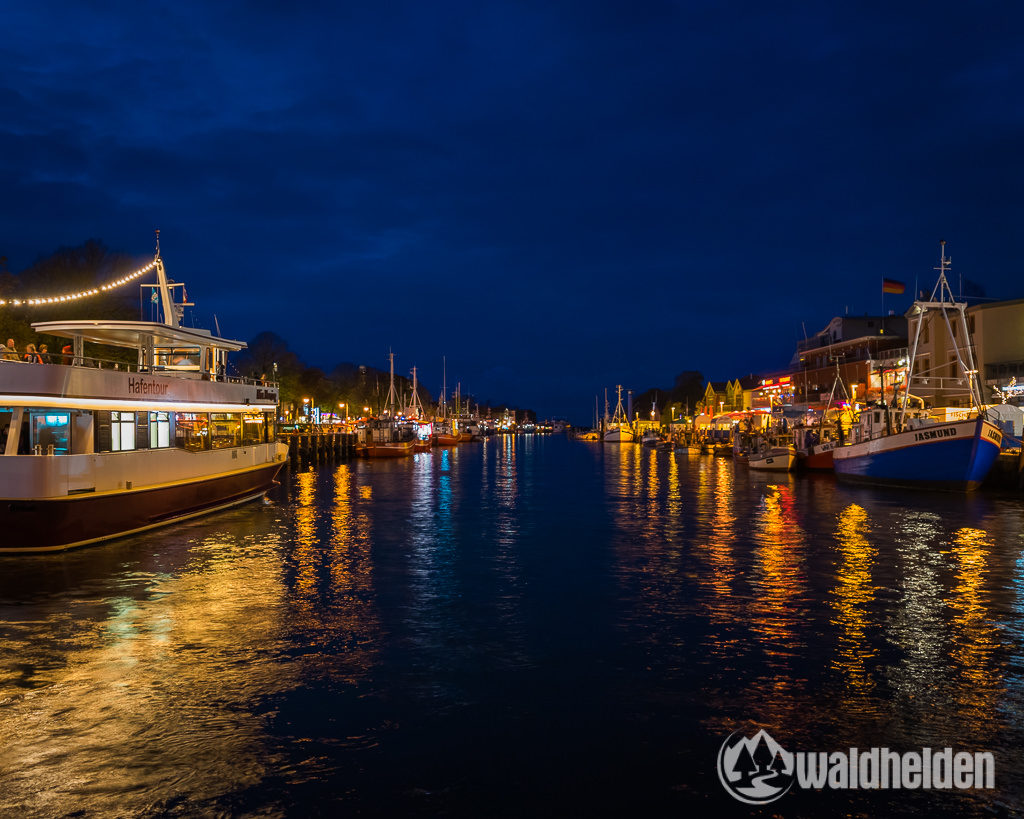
893,286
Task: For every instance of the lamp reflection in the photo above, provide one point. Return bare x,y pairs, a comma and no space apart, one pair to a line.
975,639
778,579
852,597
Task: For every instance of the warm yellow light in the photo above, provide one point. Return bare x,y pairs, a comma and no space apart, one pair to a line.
83,293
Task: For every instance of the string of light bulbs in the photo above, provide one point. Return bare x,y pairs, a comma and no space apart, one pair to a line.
81,294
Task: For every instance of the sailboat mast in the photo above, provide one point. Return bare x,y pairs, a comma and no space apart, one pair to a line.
415,407
392,395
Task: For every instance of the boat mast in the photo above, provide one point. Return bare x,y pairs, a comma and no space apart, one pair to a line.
619,411
415,407
170,309
444,387
392,396
942,300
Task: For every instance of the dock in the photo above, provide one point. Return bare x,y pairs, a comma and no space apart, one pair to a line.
317,445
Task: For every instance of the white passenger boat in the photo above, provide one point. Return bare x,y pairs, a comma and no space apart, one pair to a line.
94,449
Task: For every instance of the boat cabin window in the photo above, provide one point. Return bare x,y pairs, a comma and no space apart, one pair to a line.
159,430
51,428
122,431
225,429
192,431
253,428
176,358
5,428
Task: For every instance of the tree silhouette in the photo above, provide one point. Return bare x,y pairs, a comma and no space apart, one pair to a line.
745,766
762,756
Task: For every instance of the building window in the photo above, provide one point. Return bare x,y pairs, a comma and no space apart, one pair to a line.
159,430
122,431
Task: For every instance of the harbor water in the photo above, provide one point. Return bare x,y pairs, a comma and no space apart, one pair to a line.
527,625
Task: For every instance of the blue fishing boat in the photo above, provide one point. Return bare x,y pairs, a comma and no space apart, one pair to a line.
953,455
898,445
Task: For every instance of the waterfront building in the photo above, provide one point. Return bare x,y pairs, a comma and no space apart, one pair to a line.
863,347
997,337
729,396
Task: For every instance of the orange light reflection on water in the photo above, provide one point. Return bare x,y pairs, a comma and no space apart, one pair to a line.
778,578
852,598
975,639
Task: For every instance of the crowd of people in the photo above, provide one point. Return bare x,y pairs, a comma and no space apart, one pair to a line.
34,355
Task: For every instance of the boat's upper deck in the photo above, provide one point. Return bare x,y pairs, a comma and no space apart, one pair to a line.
175,367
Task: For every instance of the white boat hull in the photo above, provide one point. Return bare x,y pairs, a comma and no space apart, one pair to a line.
779,459
619,435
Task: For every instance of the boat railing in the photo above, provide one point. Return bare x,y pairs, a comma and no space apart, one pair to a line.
938,382
95,363
892,356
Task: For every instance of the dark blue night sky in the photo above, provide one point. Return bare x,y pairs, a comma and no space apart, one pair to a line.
557,197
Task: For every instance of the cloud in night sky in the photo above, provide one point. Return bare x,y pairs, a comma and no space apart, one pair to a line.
557,197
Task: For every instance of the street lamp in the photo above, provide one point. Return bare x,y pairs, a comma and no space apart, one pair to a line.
342,406
305,408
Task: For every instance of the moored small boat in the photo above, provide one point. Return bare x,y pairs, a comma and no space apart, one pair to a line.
650,438
773,459
385,449
811,451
